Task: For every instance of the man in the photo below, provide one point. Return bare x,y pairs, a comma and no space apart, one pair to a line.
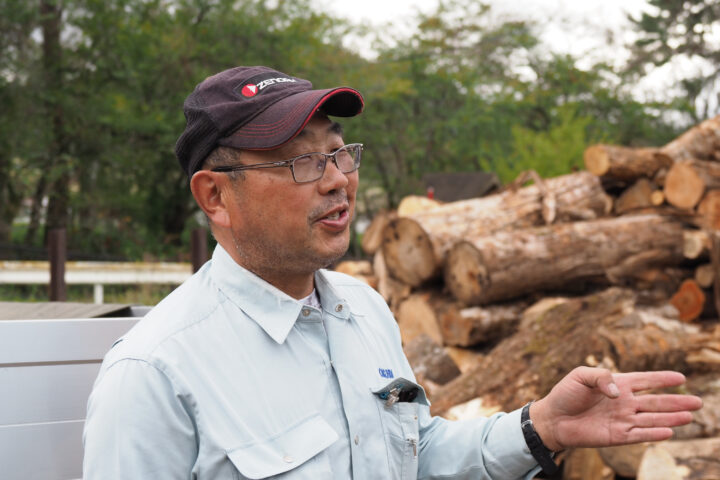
263,364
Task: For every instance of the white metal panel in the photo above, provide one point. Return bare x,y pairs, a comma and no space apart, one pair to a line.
48,451
47,393
30,341
32,272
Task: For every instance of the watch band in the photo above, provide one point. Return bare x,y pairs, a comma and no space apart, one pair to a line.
537,448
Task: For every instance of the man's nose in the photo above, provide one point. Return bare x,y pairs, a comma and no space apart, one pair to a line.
333,178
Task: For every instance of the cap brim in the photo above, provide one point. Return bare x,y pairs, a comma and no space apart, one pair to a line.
283,120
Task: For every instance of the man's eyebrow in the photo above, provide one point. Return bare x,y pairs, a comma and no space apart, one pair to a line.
336,128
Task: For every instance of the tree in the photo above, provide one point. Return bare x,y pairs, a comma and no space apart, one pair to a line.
686,29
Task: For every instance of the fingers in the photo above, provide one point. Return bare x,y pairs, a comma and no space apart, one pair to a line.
661,420
599,378
639,435
639,381
667,403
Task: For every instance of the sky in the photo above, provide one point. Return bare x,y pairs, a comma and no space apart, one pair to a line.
590,30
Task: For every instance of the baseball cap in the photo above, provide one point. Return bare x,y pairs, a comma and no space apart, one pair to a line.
254,108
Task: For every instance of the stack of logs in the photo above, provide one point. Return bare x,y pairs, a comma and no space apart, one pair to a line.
498,297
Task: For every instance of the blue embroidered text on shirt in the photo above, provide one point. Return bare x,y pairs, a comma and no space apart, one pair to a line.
386,373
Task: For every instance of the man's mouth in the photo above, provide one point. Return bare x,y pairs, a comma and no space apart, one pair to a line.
334,216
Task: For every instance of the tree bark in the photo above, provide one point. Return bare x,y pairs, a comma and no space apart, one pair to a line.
414,247
700,142
599,329
687,182
510,264
625,163
59,193
466,327
681,460
430,361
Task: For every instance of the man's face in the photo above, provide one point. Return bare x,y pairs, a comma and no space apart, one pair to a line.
282,226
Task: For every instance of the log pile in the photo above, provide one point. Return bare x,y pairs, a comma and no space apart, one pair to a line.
497,298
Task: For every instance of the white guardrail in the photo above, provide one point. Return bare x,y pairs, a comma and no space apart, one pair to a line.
97,274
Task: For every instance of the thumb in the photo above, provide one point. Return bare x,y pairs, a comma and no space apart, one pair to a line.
606,384
602,379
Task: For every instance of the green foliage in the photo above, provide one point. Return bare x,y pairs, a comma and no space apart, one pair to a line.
685,29
97,121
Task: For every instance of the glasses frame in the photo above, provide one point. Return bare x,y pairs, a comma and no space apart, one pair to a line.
290,163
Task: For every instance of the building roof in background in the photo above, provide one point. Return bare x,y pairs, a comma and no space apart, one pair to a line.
451,187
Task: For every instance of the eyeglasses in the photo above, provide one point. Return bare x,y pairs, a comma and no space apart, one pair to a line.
309,167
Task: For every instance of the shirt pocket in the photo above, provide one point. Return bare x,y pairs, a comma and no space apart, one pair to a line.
297,453
399,418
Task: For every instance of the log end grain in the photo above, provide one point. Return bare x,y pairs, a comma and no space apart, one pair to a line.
683,186
597,160
408,252
465,274
689,300
709,210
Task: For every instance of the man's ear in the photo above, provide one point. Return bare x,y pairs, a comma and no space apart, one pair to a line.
207,188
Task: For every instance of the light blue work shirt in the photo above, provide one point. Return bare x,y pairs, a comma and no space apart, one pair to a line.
230,378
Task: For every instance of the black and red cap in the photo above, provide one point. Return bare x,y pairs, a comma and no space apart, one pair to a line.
254,108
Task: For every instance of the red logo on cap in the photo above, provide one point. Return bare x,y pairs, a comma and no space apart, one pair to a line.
249,90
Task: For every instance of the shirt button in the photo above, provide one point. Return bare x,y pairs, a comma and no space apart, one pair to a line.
357,440
338,308
305,312
288,459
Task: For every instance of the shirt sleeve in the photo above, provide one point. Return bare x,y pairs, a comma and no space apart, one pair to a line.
137,426
485,448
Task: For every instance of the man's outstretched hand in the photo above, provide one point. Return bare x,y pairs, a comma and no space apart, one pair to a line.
592,407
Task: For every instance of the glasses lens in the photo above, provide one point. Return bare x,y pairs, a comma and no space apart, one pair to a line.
308,167
348,158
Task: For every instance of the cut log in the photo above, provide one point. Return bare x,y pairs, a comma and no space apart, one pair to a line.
704,275
706,421
715,262
465,327
696,244
687,182
354,267
657,198
709,210
416,204
586,464
700,142
372,237
600,329
464,358
638,195
681,460
360,269
689,300
415,316
510,264
624,163
625,459
414,247
393,291
429,361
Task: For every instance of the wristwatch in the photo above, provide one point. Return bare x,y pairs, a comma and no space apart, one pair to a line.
539,451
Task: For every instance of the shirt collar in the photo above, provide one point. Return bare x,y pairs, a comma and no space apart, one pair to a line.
271,308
